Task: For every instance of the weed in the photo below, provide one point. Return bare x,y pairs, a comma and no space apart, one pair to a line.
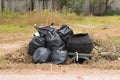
1,59
115,39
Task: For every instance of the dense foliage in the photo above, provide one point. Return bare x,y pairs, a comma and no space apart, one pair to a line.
97,7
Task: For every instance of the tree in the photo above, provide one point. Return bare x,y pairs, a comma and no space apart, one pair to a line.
2,5
99,7
32,5
106,6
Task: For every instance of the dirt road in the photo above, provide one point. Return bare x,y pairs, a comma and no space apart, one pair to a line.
78,74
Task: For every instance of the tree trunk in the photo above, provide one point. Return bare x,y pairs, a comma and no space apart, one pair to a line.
43,5
53,4
46,4
2,5
106,6
32,5
86,7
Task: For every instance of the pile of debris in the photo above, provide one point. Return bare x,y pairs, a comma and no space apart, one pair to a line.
53,45
56,46
20,55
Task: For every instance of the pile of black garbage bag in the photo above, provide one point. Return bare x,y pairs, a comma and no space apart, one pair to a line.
52,45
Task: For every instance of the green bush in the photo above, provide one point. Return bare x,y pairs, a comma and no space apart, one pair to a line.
114,12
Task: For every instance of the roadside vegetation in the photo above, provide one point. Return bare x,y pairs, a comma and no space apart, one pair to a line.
46,17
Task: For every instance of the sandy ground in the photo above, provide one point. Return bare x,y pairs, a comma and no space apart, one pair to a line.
12,41
76,71
78,74
9,47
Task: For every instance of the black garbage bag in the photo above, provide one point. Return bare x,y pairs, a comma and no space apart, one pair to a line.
59,57
81,43
65,32
36,42
41,55
44,30
54,42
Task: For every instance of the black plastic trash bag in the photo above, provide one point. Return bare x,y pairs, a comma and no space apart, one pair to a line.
54,42
36,42
81,43
59,57
65,32
41,55
44,30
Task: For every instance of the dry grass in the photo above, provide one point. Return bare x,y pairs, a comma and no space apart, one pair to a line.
19,56
46,17
41,18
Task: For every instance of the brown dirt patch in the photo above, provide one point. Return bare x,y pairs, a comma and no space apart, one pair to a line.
19,56
107,32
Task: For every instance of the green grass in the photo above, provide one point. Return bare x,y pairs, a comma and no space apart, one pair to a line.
1,59
97,21
15,28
